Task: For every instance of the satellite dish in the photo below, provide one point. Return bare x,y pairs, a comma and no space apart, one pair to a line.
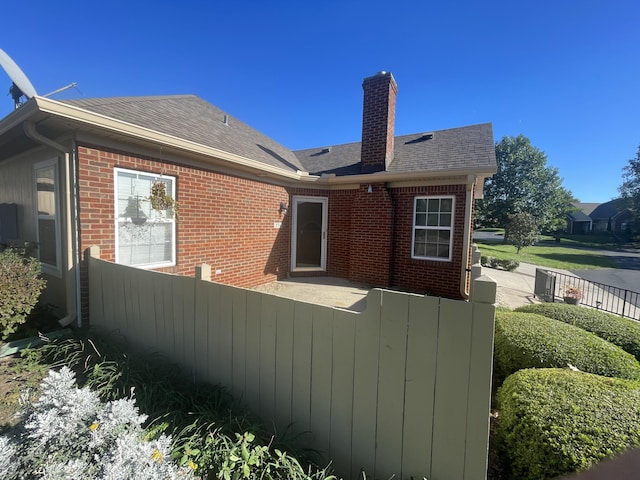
21,86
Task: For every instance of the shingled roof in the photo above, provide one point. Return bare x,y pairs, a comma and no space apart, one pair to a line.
461,148
191,118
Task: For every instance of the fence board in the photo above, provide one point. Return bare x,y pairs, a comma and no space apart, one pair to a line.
449,419
201,327
391,377
224,342
254,312
284,364
268,356
342,388
321,371
479,404
214,357
365,383
239,342
301,381
422,351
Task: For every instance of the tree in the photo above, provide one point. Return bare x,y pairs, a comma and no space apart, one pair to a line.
630,188
523,184
522,230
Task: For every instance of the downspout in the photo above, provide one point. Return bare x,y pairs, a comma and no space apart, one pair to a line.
466,243
32,133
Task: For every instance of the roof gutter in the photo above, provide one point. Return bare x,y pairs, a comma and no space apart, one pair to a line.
73,293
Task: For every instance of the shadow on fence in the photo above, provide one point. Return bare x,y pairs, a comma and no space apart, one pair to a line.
553,286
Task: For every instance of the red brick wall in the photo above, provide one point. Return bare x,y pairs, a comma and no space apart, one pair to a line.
225,221
435,277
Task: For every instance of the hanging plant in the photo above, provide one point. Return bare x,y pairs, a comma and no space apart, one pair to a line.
160,200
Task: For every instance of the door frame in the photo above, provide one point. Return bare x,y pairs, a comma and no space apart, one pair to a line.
295,200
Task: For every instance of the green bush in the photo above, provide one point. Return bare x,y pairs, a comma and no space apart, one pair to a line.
20,287
528,340
504,264
554,422
618,330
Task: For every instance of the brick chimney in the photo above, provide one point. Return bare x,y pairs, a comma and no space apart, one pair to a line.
378,118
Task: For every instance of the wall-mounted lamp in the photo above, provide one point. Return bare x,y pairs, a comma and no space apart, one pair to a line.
283,208
369,190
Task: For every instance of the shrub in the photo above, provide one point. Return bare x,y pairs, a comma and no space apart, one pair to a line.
504,264
20,287
69,433
554,422
620,331
528,340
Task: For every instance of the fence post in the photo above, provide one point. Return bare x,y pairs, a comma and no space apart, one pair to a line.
476,269
484,290
93,251
203,272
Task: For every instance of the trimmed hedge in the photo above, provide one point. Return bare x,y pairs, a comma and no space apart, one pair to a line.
555,422
528,340
618,330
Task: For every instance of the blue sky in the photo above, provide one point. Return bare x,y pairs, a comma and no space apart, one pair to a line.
565,73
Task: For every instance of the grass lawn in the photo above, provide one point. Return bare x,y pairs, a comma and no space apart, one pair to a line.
551,255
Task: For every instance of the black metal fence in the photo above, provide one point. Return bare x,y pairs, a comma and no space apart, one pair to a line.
553,286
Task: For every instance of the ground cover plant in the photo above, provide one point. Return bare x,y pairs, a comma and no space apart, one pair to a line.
212,432
527,340
69,433
618,330
554,422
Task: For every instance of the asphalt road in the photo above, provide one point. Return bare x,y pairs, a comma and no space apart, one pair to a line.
626,276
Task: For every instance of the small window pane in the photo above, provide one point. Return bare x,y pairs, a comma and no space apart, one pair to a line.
434,205
421,219
443,251
421,205
446,205
445,220
432,220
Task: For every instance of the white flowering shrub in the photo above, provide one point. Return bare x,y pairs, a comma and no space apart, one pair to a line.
69,433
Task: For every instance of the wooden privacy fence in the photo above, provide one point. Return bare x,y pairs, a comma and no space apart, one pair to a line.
402,388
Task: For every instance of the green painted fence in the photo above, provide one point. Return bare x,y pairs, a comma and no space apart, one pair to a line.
402,388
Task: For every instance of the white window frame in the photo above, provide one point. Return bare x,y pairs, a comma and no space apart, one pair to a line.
158,219
51,269
433,227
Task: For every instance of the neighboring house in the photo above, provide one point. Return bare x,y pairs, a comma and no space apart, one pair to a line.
579,221
387,211
612,216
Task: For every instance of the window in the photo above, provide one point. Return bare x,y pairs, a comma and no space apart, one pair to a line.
144,237
432,228
48,216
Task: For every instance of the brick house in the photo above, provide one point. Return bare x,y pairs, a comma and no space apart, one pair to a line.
388,211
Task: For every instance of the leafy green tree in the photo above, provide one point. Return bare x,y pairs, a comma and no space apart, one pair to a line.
522,230
630,188
523,184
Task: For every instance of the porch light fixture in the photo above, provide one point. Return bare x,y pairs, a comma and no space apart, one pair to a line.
283,208
369,190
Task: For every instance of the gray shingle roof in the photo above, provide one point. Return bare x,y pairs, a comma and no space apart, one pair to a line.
191,118
469,147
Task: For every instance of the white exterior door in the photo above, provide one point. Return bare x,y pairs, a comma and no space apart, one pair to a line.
309,234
